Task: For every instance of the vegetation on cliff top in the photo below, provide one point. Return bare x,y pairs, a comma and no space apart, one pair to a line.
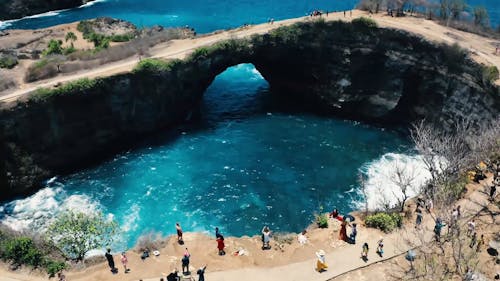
72,87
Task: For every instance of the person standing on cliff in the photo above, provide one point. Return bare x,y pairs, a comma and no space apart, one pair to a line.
185,262
179,233
124,260
111,262
266,238
220,246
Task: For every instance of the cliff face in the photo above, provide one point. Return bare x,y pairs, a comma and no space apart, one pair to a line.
348,70
15,9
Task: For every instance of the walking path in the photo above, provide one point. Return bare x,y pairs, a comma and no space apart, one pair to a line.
482,48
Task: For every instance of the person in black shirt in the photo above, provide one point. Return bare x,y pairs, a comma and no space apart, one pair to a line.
111,262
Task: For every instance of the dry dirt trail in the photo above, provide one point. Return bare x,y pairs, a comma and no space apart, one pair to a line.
482,49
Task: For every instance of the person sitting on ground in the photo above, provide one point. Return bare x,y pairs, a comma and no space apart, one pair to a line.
321,262
266,237
173,276
302,238
334,214
145,254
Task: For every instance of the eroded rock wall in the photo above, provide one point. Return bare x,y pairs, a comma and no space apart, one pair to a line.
349,70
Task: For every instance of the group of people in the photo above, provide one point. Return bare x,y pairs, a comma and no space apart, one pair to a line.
111,262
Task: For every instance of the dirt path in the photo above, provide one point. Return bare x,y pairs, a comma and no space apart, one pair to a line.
482,49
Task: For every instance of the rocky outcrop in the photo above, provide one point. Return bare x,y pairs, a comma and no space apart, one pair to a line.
353,71
15,9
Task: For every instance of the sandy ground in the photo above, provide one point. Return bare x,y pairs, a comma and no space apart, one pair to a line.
291,261
482,49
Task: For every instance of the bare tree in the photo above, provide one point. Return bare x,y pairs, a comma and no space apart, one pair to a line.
445,153
404,179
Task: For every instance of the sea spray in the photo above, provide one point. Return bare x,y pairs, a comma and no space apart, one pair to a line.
35,212
380,186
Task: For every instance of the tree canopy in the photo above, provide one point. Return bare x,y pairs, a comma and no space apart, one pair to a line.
76,233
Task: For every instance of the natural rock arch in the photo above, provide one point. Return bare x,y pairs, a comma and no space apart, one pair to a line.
354,71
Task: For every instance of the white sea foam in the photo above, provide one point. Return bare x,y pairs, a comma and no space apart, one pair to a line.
37,211
47,14
130,220
91,3
5,24
380,187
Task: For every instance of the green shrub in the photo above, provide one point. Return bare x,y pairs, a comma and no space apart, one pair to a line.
8,62
22,250
100,41
322,220
52,267
201,52
155,65
69,50
68,88
490,74
86,28
384,221
121,37
54,47
365,22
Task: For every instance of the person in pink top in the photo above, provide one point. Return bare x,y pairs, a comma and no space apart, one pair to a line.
124,260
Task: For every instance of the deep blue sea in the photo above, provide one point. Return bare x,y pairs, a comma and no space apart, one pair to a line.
203,15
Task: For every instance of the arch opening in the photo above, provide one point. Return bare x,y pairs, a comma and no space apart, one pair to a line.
237,92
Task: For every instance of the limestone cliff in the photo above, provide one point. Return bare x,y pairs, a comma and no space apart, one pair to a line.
15,9
353,71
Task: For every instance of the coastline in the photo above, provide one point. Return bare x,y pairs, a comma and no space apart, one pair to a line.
47,13
292,262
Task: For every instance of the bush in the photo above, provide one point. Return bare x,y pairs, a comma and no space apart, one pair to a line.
52,267
69,50
322,220
85,27
68,88
384,221
8,62
490,74
54,47
47,67
121,37
21,251
365,22
155,65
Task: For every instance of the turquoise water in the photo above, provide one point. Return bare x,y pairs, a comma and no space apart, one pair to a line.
242,165
203,15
